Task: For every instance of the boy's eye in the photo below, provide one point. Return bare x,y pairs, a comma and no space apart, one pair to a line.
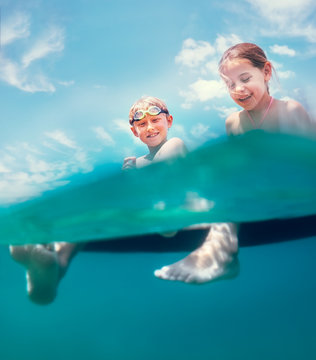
142,124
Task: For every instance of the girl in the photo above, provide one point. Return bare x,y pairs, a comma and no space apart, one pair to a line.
246,72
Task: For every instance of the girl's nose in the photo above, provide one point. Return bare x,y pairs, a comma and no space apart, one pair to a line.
240,87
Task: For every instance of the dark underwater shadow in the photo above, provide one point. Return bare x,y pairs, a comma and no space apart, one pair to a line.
250,234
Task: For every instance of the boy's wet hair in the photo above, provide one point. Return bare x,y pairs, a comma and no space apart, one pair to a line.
248,51
144,103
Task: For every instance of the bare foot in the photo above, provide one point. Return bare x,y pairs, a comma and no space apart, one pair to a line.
215,258
43,271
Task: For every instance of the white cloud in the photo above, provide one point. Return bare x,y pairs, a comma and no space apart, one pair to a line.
223,43
179,131
202,132
203,90
3,169
15,67
15,27
61,138
202,58
208,89
81,162
99,86
203,55
212,67
20,185
51,42
286,98
224,111
37,165
123,125
283,10
25,171
194,53
282,50
13,74
199,130
289,17
103,135
66,83
186,106
285,74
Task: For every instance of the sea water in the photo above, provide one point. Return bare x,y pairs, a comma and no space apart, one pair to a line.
110,306
257,176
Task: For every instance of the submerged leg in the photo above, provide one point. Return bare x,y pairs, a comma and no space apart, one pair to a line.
215,258
45,266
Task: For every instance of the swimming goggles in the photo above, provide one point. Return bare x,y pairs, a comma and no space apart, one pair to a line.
153,110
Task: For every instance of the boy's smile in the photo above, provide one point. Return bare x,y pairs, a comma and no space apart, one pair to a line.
152,129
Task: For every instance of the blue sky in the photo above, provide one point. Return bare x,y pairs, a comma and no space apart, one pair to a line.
70,70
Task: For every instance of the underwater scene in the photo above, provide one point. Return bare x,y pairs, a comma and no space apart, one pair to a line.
70,72
111,306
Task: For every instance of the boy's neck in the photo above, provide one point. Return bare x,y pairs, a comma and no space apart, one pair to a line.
153,150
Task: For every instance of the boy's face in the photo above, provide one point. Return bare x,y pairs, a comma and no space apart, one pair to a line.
152,129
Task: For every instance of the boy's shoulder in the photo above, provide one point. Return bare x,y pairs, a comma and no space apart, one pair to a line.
172,148
143,161
175,142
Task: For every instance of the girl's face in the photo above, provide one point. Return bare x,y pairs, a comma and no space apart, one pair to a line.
247,84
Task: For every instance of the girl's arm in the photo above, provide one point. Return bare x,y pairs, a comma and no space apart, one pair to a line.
299,119
232,124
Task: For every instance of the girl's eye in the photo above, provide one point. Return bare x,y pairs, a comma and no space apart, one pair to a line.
142,124
244,80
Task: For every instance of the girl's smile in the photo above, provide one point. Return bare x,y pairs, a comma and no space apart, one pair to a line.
247,84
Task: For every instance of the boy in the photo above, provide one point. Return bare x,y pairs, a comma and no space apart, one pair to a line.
150,120
47,264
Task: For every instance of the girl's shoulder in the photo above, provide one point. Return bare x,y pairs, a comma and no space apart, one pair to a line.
292,115
291,109
289,105
232,123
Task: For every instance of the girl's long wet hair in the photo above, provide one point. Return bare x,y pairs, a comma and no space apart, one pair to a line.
251,52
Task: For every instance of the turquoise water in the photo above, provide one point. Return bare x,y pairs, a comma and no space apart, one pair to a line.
253,177
110,306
